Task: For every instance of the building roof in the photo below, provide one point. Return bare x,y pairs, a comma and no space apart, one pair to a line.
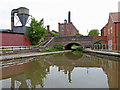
115,16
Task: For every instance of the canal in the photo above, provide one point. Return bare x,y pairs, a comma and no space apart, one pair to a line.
66,70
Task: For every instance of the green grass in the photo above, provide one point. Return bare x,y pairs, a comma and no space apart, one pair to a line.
5,50
50,50
56,47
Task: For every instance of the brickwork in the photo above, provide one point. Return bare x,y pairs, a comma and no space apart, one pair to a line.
112,31
67,29
102,38
14,40
85,41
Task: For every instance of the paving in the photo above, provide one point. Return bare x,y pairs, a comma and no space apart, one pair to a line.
30,54
104,53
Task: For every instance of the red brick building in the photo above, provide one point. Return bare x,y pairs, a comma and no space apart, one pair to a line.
112,31
67,29
13,39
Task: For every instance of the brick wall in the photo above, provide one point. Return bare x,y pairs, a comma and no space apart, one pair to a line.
102,38
67,29
10,39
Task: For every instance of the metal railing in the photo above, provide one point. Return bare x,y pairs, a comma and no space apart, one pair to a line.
106,47
13,48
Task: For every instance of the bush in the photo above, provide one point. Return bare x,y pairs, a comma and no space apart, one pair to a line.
78,34
49,50
80,48
77,52
58,47
74,45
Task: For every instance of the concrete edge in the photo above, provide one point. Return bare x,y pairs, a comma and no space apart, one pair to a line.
104,53
29,55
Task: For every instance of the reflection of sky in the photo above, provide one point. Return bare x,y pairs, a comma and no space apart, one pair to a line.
81,78
6,83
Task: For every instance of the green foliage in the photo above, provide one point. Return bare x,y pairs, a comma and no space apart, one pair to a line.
49,50
36,31
80,48
58,47
77,52
54,34
94,32
43,41
97,41
78,34
73,45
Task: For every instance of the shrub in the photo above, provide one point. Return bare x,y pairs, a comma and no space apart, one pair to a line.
77,52
49,50
80,48
74,45
58,47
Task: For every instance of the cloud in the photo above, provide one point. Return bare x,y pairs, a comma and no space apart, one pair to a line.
85,14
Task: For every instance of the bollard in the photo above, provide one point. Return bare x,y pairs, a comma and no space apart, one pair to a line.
12,48
20,48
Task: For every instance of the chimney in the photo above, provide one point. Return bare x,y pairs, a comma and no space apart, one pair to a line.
65,21
48,27
69,17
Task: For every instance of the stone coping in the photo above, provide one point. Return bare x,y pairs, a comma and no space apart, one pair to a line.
31,54
104,53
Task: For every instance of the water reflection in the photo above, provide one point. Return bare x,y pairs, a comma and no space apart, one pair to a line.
50,71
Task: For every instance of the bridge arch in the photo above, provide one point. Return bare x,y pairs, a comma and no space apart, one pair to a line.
69,45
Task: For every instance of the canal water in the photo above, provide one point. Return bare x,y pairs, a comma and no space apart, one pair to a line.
66,70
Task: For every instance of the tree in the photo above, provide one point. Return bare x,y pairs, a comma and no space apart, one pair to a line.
97,41
94,32
78,34
54,34
36,31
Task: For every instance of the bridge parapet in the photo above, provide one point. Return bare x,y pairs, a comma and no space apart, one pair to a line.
73,38
85,41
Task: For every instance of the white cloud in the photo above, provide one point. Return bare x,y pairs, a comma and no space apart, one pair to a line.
85,14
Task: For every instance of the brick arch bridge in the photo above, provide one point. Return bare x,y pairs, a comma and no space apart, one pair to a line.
68,41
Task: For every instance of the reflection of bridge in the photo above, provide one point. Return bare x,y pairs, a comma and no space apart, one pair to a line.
29,76
68,41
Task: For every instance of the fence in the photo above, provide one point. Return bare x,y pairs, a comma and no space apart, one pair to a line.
107,47
12,48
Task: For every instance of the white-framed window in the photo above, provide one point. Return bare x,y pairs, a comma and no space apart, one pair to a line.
111,29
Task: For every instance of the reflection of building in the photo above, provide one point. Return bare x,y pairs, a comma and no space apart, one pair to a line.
67,70
112,71
33,73
67,29
112,31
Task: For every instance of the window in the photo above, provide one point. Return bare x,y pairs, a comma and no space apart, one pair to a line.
62,26
62,29
108,31
111,29
67,27
110,44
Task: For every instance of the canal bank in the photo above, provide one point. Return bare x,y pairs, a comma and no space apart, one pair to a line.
103,53
31,54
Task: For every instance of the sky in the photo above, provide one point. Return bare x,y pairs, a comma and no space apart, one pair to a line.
85,14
